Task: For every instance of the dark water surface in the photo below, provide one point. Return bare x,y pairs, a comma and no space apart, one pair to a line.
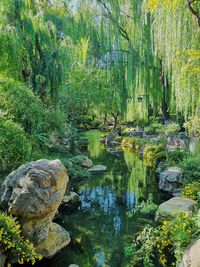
100,228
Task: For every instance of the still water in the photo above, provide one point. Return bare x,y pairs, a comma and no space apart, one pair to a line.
100,228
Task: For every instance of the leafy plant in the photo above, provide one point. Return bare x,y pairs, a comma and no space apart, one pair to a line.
153,154
191,191
12,244
172,128
166,241
193,126
155,128
191,168
130,142
147,207
15,148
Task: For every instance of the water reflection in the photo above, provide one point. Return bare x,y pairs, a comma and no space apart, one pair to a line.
105,199
101,221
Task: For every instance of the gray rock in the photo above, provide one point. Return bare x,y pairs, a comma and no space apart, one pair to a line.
139,134
73,265
110,138
184,144
98,168
191,257
170,179
87,163
33,193
182,135
175,205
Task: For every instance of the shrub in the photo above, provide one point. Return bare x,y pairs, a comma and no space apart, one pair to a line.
126,131
168,239
175,157
21,105
15,149
147,208
172,128
153,154
193,126
55,121
155,128
12,244
191,169
191,191
75,169
130,142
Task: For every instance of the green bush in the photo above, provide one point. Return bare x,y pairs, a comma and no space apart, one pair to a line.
54,121
20,104
167,241
191,191
155,128
172,128
153,154
75,169
191,168
15,148
12,244
175,157
130,142
147,208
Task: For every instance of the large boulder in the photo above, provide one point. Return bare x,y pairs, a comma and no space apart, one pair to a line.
170,180
33,193
175,205
191,257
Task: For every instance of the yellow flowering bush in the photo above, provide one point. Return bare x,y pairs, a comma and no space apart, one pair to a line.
12,244
165,242
175,235
191,191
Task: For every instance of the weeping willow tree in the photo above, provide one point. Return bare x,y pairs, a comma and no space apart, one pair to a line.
176,36
151,48
121,43
32,48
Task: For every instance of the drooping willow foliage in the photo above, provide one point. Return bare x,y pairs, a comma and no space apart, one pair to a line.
152,49
31,48
176,35
149,49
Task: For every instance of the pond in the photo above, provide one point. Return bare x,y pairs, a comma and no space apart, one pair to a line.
101,227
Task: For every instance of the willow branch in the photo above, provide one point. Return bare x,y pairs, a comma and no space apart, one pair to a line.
122,31
193,10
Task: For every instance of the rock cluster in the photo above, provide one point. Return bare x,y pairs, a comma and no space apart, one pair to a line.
170,180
